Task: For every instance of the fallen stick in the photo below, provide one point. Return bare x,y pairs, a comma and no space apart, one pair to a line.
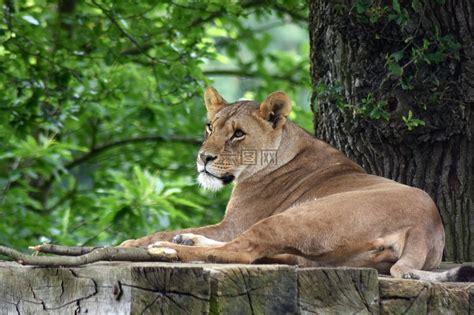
98,254
63,250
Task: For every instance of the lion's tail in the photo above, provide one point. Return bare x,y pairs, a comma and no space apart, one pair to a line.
459,274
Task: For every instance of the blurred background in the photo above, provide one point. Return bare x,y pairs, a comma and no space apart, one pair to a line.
101,111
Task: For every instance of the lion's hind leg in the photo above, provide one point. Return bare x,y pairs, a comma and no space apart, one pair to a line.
416,256
413,258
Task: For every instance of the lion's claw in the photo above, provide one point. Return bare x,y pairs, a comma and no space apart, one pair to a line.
411,275
183,239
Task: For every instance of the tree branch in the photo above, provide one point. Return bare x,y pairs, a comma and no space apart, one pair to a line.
98,254
99,149
63,250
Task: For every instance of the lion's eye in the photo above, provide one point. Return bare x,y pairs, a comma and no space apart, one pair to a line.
209,128
238,134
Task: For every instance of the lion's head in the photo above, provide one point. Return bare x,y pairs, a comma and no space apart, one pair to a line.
241,138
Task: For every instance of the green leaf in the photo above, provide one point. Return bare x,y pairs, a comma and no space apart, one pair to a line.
412,122
363,5
65,221
397,56
416,5
395,69
396,6
185,202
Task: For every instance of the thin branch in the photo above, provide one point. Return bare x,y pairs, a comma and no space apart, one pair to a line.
124,33
137,51
99,149
296,16
104,253
63,250
75,73
97,234
210,17
141,14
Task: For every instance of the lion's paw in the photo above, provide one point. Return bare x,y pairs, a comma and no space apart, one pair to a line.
191,239
161,244
188,239
411,275
131,243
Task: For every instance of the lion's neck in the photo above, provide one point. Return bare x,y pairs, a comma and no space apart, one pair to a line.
304,165
299,151
307,168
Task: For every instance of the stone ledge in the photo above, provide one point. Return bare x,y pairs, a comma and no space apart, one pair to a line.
173,288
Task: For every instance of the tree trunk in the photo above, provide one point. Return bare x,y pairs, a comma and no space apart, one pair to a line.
166,288
394,90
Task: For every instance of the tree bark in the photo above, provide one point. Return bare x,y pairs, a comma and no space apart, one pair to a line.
349,58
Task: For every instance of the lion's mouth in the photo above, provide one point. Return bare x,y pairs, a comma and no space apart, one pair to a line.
227,178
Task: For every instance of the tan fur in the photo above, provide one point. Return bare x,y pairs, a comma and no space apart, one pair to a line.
314,207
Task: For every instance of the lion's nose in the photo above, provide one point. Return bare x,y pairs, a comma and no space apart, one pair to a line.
206,157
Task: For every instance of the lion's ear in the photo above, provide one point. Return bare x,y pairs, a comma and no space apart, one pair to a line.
275,108
214,102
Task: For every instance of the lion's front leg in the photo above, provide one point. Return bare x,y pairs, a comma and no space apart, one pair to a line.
150,239
212,232
225,253
247,248
191,239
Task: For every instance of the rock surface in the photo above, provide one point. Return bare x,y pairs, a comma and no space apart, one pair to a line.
174,288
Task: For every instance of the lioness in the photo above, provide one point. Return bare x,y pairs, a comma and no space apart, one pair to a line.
307,204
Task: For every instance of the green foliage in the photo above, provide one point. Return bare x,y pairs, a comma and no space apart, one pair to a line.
101,109
368,106
363,5
414,66
412,122
393,65
398,14
333,94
